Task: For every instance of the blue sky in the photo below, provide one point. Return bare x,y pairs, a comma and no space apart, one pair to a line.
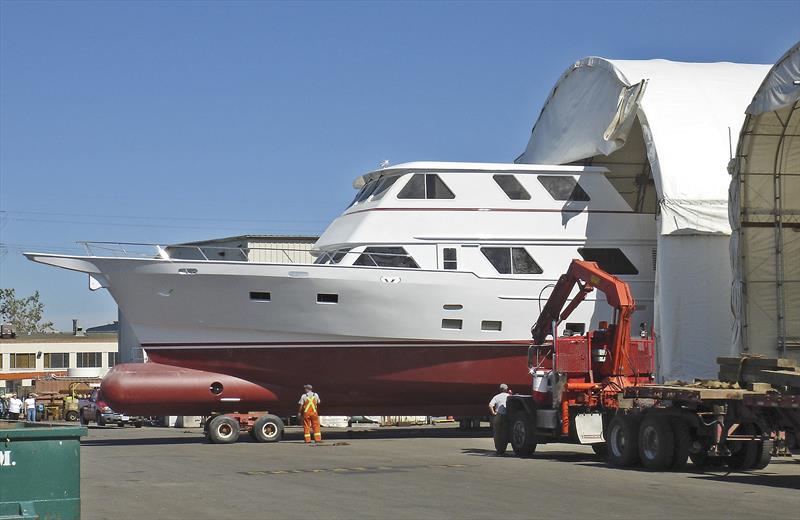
176,121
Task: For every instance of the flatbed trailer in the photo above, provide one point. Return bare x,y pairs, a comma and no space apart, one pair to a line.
597,389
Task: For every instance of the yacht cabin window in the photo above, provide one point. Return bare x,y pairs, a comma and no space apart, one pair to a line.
610,260
425,186
332,257
512,187
511,260
386,257
563,188
449,258
385,184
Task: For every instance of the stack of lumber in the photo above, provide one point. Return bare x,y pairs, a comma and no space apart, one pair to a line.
757,372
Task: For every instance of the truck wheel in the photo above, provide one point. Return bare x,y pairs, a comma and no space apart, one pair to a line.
623,440
683,442
100,420
764,454
521,435
500,434
268,428
84,420
71,416
223,430
744,454
656,442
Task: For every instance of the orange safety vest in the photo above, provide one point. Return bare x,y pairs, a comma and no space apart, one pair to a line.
311,405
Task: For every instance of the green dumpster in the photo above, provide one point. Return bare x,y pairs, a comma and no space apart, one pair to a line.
40,471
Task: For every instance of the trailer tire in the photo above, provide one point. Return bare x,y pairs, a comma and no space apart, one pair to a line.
683,443
268,428
223,430
500,434
764,454
656,442
71,416
746,454
522,440
623,440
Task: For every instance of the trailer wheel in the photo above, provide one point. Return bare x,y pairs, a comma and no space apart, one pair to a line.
268,428
500,433
72,416
744,454
683,443
223,430
764,454
521,435
656,442
623,440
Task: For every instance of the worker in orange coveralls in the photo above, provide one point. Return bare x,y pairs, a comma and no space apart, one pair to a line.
309,409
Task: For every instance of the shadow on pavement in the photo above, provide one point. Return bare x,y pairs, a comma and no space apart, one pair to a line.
291,434
779,481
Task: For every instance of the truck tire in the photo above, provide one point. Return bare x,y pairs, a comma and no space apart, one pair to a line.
268,428
84,420
500,434
623,440
683,443
522,440
744,454
223,430
764,454
656,442
100,420
71,416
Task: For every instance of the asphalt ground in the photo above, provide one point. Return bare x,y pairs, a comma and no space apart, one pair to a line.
430,472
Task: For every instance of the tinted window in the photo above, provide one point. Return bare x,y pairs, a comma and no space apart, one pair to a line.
512,187
450,258
511,260
57,360
384,185
260,296
436,188
523,263
425,185
610,260
414,188
563,188
368,189
499,257
386,257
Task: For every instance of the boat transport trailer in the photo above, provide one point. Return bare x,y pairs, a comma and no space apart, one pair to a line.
597,389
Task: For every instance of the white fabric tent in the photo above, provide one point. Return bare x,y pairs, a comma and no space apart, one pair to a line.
765,217
664,131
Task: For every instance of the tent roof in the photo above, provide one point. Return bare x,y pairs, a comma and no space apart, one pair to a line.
685,111
765,216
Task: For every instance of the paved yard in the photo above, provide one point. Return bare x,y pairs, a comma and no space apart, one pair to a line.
432,472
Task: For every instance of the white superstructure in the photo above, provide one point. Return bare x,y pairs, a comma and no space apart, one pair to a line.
428,251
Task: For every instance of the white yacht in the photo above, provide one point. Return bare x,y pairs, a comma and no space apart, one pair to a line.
429,281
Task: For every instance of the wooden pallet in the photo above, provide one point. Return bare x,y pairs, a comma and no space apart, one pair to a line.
756,370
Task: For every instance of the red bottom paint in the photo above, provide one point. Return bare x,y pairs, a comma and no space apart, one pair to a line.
375,379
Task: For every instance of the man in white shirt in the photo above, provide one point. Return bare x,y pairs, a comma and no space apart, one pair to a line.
497,407
498,403
30,408
14,407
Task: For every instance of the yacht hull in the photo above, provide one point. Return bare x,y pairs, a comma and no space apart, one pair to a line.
419,378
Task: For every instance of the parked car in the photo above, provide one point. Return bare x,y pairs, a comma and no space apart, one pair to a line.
97,410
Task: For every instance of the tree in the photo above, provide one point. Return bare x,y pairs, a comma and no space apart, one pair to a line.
24,314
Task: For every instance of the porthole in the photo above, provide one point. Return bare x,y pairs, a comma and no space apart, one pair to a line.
216,388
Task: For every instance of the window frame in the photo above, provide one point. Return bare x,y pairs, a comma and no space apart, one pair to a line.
14,357
48,360
512,267
429,181
629,268
370,256
80,360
